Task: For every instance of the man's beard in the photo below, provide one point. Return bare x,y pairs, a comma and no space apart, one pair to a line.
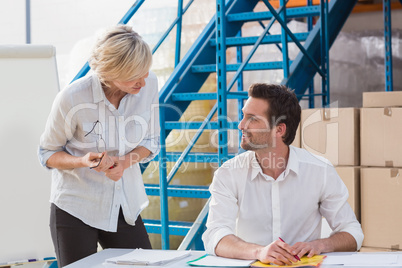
248,145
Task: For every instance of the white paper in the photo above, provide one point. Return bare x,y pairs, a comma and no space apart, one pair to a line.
149,257
362,259
215,261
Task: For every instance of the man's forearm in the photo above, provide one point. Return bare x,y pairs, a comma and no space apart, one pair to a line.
232,246
135,156
341,241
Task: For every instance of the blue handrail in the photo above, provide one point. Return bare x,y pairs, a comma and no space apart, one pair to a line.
130,13
170,28
126,18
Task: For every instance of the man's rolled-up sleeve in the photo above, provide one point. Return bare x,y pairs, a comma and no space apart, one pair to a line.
223,211
337,211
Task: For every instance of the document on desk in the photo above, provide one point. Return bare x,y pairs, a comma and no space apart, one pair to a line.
364,259
149,257
314,261
215,261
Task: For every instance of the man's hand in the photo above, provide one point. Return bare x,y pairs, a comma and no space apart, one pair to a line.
310,248
278,253
341,241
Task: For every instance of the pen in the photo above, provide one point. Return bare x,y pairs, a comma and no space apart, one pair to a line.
21,261
297,257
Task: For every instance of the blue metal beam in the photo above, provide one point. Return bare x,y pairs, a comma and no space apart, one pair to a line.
388,45
197,125
301,70
324,53
162,182
310,25
249,41
129,14
193,157
175,227
298,12
211,68
221,80
178,31
187,191
284,40
207,96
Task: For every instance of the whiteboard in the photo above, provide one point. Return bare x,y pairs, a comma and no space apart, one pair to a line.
28,85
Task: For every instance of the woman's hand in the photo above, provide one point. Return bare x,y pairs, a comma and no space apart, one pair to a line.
115,171
98,161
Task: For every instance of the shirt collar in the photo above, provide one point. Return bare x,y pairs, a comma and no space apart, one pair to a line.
98,93
293,164
293,161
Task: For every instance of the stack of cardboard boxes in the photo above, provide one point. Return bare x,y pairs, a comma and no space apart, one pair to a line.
334,134
381,161
365,146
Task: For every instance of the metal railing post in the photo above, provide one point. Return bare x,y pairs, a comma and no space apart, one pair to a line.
221,79
389,83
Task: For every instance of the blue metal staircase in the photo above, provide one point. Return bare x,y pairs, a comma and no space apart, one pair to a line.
208,55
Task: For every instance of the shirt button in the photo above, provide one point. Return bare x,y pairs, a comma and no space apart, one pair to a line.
118,187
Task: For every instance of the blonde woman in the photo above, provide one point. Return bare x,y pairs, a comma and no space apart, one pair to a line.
99,129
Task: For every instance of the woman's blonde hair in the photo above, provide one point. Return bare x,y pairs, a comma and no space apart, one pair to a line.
120,54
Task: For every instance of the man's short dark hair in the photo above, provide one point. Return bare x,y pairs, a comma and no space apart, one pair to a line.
283,104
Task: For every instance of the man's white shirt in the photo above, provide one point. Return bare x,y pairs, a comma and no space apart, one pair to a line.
258,209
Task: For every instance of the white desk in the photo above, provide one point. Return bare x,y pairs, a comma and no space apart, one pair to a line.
97,260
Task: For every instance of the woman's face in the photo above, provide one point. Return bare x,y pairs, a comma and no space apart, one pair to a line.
133,86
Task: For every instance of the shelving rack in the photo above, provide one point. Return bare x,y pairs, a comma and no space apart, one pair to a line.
208,55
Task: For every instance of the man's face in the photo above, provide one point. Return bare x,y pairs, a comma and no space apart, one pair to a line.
256,132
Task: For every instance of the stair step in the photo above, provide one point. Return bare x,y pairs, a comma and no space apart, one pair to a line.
207,96
189,191
197,125
193,157
249,41
211,68
175,227
297,12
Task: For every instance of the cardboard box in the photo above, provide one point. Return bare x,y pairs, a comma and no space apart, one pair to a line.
351,177
381,213
332,133
381,137
382,99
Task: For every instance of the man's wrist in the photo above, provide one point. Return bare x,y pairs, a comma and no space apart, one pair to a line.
257,252
82,162
324,245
